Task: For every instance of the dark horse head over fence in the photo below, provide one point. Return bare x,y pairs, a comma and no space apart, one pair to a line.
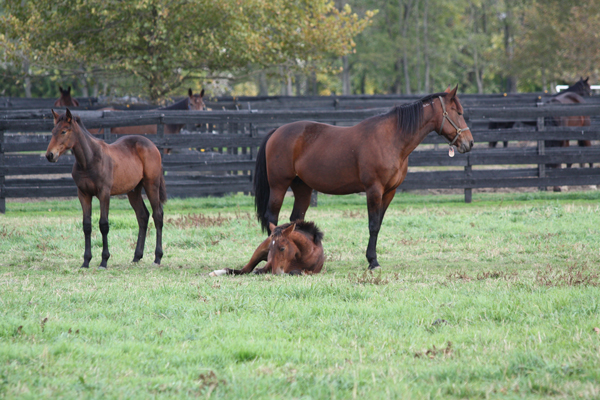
65,99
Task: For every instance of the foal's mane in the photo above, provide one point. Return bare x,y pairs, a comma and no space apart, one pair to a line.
410,116
303,226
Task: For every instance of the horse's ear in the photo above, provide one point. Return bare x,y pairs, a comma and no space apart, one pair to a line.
587,79
69,90
272,227
190,93
287,231
68,117
452,93
447,89
55,115
60,88
202,93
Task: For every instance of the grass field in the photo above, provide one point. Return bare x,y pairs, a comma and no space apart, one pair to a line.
495,299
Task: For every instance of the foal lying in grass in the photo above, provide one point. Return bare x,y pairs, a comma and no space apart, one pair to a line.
293,248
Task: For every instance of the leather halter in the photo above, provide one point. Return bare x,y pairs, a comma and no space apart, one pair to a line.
446,117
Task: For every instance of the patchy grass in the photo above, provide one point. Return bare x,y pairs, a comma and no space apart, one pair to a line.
494,299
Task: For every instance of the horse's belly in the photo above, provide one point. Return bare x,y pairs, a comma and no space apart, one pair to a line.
125,180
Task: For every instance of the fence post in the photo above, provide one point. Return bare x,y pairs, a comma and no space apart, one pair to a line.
541,147
2,172
468,174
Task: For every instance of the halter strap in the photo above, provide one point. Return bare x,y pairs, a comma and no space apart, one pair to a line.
446,117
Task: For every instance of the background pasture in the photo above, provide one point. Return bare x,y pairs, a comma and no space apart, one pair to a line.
498,298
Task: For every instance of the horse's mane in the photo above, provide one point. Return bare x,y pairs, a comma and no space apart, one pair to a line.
410,116
303,226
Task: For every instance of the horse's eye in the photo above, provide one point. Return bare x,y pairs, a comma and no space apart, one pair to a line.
281,248
64,132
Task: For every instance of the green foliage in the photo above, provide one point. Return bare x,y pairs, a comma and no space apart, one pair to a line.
494,299
163,43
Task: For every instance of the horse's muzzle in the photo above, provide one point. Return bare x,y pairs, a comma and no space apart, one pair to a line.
51,157
465,146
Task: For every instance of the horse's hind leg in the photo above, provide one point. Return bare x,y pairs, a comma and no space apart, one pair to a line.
302,193
142,215
276,196
153,193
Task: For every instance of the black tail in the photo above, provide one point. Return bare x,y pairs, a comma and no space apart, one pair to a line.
261,184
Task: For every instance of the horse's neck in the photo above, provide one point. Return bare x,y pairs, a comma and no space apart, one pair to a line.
411,141
85,148
303,243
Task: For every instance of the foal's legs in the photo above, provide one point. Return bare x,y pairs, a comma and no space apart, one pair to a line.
302,193
152,191
86,206
377,204
142,214
104,198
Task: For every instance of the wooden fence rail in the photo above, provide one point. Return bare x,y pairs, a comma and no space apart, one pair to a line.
220,157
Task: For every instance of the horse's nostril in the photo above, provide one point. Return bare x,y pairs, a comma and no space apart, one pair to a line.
49,156
471,143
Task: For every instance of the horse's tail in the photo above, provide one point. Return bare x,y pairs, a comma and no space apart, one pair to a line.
162,190
261,184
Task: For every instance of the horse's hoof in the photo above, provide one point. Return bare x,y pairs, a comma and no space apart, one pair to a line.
84,267
374,268
156,263
135,260
218,272
100,267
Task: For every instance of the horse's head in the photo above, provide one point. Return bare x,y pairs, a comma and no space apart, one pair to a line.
451,123
282,249
63,138
585,88
195,101
65,99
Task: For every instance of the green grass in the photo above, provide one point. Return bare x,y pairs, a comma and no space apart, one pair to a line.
494,299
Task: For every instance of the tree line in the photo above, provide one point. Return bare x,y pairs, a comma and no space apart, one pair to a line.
158,48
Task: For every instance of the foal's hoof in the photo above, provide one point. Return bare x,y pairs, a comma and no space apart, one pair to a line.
219,272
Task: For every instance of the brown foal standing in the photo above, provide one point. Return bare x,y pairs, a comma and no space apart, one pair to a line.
293,248
103,170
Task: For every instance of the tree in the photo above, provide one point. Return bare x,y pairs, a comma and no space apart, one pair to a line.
165,42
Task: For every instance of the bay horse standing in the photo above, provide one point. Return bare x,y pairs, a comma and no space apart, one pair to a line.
103,170
569,97
65,99
370,157
293,248
581,88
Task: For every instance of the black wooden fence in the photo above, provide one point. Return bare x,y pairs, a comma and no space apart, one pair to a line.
219,156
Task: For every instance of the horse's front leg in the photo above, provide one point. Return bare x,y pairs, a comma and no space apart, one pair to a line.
86,207
377,204
260,254
104,205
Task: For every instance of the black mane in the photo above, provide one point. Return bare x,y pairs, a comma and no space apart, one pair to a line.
410,116
303,226
180,105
